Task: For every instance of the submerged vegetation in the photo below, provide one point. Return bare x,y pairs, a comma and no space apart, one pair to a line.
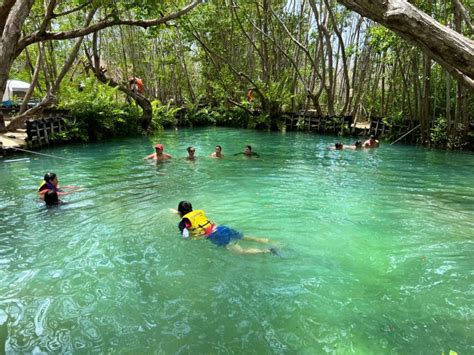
244,64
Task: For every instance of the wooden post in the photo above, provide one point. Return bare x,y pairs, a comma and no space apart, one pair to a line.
38,134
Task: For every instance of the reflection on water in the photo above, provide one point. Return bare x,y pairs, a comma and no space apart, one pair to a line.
377,248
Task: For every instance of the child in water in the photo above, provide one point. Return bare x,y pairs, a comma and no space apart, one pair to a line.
51,183
195,224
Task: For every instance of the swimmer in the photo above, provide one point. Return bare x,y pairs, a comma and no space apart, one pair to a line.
196,225
248,152
191,151
217,153
337,146
356,145
340,146
159,154
51,183
372,142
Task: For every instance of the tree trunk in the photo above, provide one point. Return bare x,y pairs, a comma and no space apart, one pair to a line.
50,97
425,116
11,21
449,48
461,116
34,81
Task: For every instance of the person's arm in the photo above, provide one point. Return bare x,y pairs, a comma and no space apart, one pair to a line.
239,153
151,156
256,154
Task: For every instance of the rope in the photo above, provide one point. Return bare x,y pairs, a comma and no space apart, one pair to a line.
406,134
46,155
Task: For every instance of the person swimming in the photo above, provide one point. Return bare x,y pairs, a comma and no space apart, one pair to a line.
159,154
372,142
191,150
51,183
248,152
195,224
217,153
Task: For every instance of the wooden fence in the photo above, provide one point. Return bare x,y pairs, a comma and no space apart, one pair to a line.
40,131
308,121
344,125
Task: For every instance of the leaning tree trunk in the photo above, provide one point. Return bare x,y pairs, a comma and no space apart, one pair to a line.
449,48
34,81
99,73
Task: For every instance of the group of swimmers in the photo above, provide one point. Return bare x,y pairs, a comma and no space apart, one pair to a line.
372,142
193,223
160,155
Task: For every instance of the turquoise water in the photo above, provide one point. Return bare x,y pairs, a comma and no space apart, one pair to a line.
377,249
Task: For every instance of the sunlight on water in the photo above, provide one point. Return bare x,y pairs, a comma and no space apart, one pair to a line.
377,249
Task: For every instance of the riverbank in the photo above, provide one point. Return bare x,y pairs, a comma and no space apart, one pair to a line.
11,140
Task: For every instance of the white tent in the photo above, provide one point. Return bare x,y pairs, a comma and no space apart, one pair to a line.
15,89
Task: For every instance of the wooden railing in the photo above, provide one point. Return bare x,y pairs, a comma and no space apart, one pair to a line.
343,125
40,131
308,121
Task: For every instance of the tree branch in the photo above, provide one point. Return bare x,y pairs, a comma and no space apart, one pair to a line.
68,12
37,36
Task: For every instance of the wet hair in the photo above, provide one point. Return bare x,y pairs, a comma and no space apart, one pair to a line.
51,198
358,144
338,145
249,147
372,136
49,177
190,149
184,207
218,146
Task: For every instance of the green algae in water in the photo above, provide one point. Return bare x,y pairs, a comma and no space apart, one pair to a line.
377,248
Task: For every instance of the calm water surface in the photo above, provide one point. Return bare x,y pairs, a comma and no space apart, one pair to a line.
377,249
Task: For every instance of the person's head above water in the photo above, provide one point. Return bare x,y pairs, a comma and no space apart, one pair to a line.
184,207
373,137
358,144
248,149
191,150
338,145
159,147
49,176
52,178
51,198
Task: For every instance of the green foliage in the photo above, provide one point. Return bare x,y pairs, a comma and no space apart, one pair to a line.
439,134
260,121
164,116
97,112
203,116
381,39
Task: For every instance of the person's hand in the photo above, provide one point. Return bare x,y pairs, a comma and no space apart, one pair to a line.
174,210
185,233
